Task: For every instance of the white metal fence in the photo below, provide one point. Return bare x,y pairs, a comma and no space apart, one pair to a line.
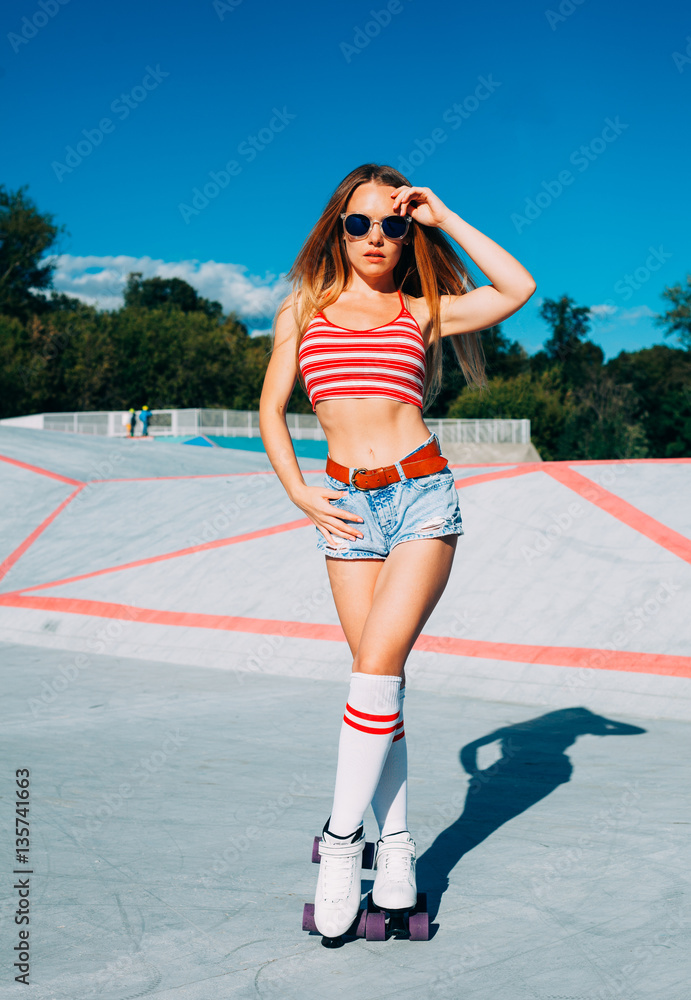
245,423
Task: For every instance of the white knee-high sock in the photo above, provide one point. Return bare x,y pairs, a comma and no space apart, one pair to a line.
368,727
390,800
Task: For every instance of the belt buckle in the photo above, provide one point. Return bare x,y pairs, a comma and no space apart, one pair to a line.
363,489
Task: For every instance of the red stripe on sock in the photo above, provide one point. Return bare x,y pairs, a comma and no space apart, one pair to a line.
372,718
366,729
399,737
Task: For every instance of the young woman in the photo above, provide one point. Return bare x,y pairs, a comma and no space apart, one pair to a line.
387,516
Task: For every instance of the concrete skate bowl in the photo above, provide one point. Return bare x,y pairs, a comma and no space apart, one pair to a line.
570,584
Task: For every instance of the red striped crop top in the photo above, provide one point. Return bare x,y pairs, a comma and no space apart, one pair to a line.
387,360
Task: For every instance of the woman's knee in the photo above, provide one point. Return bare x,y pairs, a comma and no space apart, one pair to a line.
368,663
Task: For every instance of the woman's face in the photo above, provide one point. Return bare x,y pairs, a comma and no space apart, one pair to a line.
374,255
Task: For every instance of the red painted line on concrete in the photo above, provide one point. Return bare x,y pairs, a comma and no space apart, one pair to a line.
205,546
41,472
11,559
488,477
205,475
561,656
620,461
622,510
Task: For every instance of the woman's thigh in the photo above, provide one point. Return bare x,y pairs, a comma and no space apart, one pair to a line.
352,584
383,606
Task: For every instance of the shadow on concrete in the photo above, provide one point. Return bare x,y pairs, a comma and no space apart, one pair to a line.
533,764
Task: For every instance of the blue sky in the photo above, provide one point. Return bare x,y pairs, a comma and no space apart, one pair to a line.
322,88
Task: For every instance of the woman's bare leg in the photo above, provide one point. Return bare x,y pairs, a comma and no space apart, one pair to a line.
383,604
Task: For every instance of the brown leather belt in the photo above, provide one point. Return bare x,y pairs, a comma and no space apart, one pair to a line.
424,462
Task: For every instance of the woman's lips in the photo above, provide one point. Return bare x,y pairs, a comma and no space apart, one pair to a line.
375,256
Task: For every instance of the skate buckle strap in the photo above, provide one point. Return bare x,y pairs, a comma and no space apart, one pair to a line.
341,850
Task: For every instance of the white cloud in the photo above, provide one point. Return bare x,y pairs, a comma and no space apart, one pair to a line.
100,281
603,310
609,311
638,312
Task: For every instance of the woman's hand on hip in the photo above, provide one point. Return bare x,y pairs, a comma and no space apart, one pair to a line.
314,501
422,204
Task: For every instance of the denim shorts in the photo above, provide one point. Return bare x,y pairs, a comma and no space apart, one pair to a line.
423,507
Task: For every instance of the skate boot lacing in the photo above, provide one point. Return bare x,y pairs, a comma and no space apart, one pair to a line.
398,859
340,863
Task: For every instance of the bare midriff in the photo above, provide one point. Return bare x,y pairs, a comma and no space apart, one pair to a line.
366,432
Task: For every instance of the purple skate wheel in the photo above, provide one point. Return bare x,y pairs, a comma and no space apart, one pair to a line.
368,855
308,923
375,929
316,857
418,925
361,924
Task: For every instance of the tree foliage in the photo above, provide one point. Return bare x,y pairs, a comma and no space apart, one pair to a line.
677,319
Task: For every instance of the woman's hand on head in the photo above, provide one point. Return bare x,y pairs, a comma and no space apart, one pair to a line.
314,501
422,204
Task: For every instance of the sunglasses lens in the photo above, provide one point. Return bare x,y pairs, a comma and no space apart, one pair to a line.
394,227
356,225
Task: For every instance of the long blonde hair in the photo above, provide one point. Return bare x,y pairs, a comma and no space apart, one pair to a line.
428,266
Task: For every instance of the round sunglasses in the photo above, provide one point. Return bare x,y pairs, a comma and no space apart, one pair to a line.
358,226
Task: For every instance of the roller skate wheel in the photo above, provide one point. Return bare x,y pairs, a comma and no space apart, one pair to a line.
375,928
418,926
308,923
361,924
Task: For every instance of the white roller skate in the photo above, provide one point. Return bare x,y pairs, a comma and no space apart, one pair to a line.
394,886
339,889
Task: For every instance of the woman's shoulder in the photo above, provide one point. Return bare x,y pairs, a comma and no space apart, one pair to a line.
419,310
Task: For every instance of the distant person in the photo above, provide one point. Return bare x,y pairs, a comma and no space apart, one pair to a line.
133,422
144,417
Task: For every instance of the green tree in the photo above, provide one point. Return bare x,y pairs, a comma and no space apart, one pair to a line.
503,356
660,377
25,237
537,398
157,293
600,421
678,318
568,344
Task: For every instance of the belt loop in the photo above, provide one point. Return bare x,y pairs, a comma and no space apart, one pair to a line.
401,473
